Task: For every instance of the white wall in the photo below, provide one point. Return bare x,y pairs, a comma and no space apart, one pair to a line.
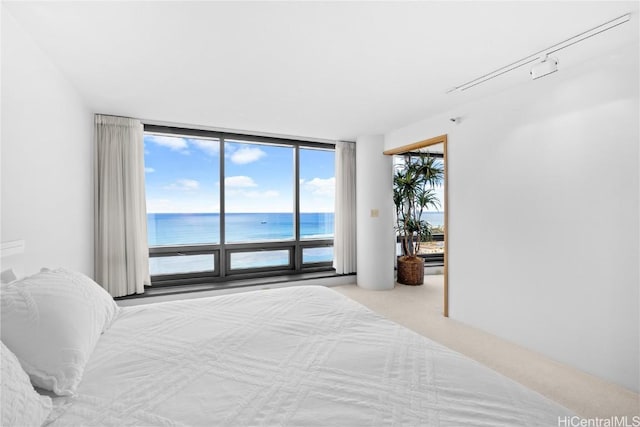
543,214
374,215
46,166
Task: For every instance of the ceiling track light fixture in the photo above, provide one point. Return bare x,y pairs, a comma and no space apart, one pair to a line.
546,65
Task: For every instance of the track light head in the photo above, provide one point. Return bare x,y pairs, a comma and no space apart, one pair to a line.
544,68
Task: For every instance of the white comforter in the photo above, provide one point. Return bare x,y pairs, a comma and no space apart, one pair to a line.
303,356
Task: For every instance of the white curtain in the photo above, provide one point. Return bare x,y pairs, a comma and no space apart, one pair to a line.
344,241
121,249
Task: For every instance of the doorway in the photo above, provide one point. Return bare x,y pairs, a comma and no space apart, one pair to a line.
438,145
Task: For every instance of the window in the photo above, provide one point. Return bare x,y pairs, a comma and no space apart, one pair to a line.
245,260
317,255
223,206
259,192
317,198
181,264
317,193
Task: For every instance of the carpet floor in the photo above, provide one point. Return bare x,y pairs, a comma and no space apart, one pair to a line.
420,308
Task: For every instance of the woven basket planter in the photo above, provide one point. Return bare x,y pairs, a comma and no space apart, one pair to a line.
411,270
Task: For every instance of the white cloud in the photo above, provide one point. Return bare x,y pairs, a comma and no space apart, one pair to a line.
190,205
319,186
247,155
184,185
239,181
149,170
209,146
159,205
172,142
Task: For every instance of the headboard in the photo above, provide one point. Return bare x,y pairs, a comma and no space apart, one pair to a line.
12,258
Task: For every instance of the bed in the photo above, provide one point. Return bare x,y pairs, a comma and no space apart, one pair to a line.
299,356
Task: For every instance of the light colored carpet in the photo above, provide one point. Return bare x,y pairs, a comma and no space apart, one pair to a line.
420,308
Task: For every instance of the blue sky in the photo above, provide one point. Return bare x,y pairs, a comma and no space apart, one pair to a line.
182,175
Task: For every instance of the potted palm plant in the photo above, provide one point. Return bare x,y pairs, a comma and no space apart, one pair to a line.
414,183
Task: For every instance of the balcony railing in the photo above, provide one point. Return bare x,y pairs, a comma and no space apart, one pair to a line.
431,251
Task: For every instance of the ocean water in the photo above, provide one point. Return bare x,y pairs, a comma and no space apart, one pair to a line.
166,229
169,229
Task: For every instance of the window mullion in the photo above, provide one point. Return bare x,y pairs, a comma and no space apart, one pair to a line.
297,252
223,239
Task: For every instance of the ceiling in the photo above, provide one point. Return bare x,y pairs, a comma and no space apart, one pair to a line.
331,70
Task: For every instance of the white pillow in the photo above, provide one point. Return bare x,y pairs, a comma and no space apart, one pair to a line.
52,321
21,405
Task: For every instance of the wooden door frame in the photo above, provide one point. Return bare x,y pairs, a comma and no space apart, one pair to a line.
442,139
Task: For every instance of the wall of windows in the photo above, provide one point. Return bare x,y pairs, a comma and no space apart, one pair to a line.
223,206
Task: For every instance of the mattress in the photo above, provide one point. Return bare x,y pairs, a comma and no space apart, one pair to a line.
300,356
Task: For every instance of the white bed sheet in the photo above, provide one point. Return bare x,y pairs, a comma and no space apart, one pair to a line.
301,356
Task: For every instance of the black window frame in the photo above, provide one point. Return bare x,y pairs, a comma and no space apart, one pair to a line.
222,251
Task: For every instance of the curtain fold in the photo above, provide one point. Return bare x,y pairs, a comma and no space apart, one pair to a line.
121,248
344,241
